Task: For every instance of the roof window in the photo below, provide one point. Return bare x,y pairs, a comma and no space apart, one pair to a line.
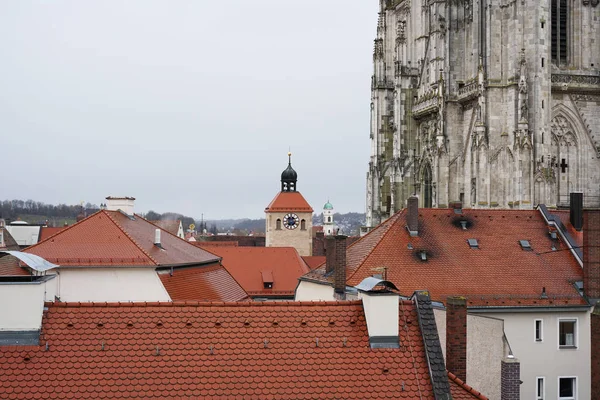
473,243
267,278
525,245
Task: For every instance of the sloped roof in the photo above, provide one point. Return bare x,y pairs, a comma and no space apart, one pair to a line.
461,391
299,350
171,226
9,242
47,231
498,273
111,238
565,217
247,265
10,266
289,201
204,283
313,261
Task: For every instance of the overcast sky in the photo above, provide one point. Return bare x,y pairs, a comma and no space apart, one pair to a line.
189,106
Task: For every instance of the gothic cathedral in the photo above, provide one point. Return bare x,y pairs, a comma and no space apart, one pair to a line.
487,103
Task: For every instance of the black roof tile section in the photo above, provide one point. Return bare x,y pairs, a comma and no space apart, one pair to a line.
433,348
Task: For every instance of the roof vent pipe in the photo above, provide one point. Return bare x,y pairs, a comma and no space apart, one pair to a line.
157,237
412,217
463,224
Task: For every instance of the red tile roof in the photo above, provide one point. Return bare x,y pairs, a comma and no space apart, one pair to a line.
215,243
565,218
289,201
47,231
112,238
299,350
313,261
11,266
499,273
205,283
247,265
461,391
171,226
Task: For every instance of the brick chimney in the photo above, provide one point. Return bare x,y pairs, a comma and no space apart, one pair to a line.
456,336
510,379
591,253
336,261
576,210
319,244
412,216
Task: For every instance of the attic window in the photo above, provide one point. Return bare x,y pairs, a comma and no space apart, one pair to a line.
525,245
473,243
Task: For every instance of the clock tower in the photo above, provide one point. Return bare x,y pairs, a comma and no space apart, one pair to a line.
289,216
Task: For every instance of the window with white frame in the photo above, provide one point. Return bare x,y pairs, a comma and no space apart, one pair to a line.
538,330
539,388
567,388
567,333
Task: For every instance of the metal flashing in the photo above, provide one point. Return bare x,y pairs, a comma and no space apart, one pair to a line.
19,338
369,283
34,262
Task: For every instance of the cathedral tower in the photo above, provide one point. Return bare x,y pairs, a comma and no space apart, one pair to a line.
289,216
494,104
328,226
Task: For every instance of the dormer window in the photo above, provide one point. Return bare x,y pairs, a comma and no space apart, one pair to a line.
267,278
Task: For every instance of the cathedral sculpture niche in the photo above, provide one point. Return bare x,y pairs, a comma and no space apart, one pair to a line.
494,104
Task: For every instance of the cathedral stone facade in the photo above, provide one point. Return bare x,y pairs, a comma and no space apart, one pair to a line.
491,103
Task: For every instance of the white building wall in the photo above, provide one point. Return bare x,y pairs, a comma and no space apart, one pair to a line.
22,306
309,291
111,284
24,235
545,359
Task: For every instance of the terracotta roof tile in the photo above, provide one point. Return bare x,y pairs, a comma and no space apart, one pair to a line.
313,261
565,218
247,265
205,283
452,265
112,238
461,391
171,226
10,266
47,231
215,351
289,201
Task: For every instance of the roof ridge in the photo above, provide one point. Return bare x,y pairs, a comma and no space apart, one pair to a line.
464,385
129,236
61,231
189,303
389,228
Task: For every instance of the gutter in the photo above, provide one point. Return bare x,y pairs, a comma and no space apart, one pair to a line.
526,309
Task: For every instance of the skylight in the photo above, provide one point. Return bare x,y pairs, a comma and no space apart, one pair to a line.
525,245
473,243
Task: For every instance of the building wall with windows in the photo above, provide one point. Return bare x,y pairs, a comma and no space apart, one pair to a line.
543,357
491,103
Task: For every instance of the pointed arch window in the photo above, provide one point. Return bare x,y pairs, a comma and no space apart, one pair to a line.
559,26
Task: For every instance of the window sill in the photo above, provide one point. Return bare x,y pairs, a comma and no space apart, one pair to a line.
567,347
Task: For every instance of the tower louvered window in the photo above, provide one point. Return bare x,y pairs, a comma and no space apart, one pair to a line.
559,15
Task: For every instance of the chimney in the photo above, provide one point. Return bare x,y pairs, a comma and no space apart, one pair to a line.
157,237
456,336
381,307
412,217
510,379
576,210
124,204
336,261
591,254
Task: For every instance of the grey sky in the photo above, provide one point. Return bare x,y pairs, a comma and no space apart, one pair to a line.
189,106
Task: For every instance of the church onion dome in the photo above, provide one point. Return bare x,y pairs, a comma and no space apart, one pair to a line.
289,178
289,174
328,206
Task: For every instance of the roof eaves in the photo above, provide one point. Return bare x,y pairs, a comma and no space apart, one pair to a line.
476,394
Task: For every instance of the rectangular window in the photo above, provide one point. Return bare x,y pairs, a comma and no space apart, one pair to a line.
559,26
567,388
538,330
539,388
567,333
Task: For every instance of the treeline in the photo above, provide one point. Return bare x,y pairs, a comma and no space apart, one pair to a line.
11,209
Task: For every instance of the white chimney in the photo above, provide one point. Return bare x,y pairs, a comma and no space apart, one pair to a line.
124,204
381,308
157,237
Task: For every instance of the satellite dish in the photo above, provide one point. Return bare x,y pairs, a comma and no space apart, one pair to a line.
192,227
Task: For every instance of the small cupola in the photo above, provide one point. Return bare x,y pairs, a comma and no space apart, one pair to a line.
289,177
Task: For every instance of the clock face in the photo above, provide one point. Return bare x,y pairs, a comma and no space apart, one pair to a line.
290,221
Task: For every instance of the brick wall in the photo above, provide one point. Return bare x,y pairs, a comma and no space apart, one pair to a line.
510,380
456,336
319,244
591,253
